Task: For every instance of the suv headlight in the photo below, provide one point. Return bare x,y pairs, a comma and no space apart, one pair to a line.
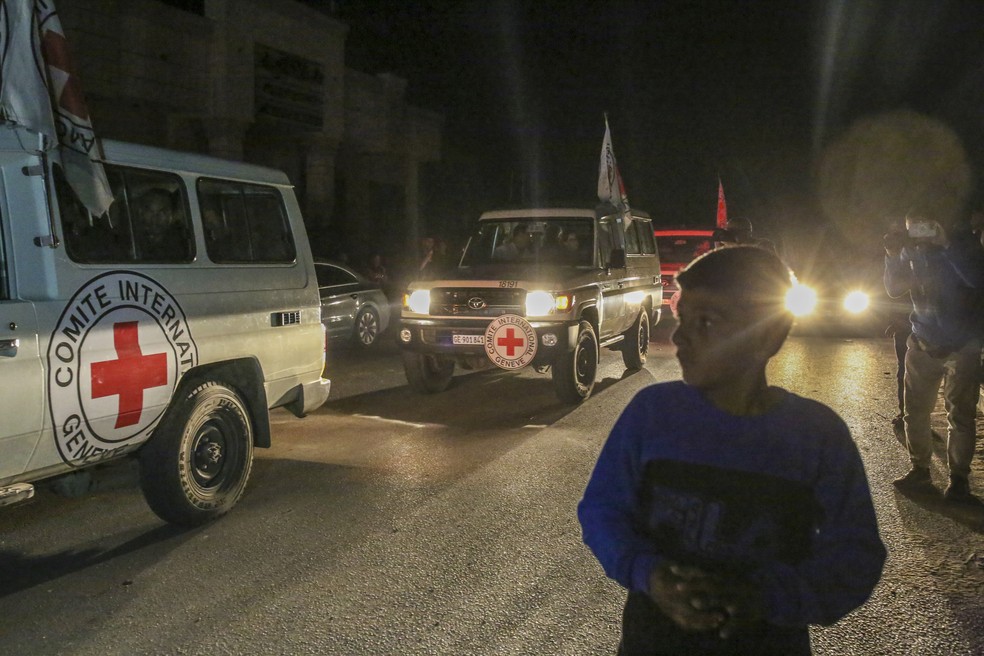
540,303
801,300
856,302
418,301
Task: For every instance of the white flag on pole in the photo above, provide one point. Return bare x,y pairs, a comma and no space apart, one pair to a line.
39,89
611,189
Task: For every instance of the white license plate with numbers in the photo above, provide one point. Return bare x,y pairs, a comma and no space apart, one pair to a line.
468,339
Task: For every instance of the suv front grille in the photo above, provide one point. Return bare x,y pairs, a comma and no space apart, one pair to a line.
476,302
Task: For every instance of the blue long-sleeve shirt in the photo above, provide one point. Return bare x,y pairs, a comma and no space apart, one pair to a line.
781,498
945,285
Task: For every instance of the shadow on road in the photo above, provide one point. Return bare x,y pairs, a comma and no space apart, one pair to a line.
19,572
479,400
476,400
971,516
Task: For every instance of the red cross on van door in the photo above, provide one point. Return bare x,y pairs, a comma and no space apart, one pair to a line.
129,375
511,342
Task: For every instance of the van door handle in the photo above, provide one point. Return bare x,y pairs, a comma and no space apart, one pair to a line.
9,345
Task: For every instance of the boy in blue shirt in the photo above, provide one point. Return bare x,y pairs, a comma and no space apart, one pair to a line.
735,513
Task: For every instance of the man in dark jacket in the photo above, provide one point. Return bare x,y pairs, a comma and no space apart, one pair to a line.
944,276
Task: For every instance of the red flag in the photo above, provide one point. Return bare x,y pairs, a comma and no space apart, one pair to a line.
41,90
722,213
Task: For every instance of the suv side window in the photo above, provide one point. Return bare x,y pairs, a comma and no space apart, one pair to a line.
605,242
647,242
244,223
632,239
147,222
4,276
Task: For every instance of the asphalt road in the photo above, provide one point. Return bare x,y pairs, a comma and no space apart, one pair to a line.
392,523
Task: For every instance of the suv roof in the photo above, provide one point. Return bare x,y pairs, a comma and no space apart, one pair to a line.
548,212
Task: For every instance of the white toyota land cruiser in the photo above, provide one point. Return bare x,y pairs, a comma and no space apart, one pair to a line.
165,328
545,288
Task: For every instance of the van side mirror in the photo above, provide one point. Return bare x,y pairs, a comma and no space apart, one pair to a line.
617,259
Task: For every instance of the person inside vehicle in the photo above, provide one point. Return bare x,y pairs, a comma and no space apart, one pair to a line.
163,235
517,247
550,244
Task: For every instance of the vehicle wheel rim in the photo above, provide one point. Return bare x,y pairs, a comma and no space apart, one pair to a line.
209,455
368,328
644,338
584,365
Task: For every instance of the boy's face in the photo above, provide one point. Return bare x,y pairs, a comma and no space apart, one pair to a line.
719,340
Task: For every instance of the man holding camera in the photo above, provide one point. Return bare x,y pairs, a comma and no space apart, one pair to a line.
944,277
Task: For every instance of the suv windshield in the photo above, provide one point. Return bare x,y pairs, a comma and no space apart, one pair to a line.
553,241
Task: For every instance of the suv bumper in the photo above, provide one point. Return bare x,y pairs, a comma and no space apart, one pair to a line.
436,336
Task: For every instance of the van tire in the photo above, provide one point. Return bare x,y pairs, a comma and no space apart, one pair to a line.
366,327
574,372
195,466
426,373
635,346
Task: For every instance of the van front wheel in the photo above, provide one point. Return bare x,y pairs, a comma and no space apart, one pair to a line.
195,466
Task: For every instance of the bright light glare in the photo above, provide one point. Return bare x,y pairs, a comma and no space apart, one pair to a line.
539,303
419,301
634,298
801,300
856,302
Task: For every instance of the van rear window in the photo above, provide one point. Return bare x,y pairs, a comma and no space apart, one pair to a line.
244,223
147,222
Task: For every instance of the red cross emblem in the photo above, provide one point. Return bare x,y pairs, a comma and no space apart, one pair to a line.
129,375
511,342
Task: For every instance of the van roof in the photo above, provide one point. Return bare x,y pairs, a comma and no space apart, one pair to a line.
120,152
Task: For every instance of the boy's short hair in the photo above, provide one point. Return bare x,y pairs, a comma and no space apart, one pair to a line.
755,277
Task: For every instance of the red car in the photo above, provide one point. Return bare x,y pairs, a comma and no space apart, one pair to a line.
677,248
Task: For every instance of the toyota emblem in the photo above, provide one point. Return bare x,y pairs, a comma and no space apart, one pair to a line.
477,303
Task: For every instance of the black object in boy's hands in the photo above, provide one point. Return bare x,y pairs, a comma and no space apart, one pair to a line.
696,600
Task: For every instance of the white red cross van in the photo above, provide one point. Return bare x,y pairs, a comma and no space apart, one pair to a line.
164,329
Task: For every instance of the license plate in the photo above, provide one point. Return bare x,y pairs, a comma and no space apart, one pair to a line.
468,339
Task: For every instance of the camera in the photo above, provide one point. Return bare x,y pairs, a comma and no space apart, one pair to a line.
920,229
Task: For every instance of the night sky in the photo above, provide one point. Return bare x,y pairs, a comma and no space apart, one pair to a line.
753,92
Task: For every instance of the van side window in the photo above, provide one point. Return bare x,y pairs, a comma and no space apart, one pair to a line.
147,222
244,223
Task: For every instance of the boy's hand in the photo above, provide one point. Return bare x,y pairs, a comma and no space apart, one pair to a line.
698,601
743,604
688,596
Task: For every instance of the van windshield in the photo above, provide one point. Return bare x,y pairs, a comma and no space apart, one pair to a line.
554,242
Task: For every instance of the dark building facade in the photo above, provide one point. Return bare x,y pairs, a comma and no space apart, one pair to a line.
262,81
